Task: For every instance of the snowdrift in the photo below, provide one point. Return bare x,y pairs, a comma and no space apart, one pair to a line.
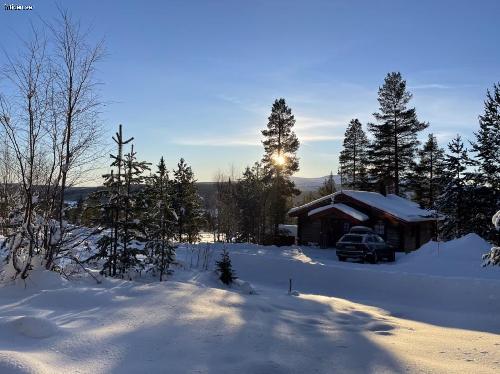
460,257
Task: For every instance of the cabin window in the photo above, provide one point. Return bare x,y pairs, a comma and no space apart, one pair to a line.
346,227
379,228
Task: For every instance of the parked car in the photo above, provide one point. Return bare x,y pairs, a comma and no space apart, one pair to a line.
364,247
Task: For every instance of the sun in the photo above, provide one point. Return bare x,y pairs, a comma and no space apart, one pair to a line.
279,159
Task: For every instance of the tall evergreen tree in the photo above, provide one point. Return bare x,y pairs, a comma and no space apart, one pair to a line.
114,182
486,176
119,209
452,202
395,133
186,203
328,187
160,220
354,157
426,179
280,161
131,224
487,144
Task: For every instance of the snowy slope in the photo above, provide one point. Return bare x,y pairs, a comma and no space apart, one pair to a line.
348,317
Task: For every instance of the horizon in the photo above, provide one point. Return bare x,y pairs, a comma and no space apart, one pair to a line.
201,80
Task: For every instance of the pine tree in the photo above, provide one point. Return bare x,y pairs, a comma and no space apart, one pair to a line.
186,203
280,161
395,134
114,182
354,157
328,187
453,202
487,144
160,221
225,268
486,176
426,180
119,208
131,226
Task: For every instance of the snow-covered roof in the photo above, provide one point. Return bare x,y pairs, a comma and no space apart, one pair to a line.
312,203
394,205
343,208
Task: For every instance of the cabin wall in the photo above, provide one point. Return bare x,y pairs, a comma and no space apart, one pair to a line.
427,232
309,231
410,237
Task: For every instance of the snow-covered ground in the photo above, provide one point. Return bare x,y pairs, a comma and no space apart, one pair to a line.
435,310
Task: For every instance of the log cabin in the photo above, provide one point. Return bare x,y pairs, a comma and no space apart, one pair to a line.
399,221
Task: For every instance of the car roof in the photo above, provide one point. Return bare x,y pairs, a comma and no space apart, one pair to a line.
353,234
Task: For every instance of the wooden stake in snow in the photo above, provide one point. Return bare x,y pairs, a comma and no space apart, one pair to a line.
290,285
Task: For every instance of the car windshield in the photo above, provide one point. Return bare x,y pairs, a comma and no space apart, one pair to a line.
379,239
352,238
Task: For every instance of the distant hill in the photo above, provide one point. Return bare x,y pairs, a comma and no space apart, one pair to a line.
312,184
207,190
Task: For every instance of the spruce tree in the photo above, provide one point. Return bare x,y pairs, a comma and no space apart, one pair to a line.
353,158
160,221
119,209
186,203
394,135
131,237
328,187
114,182
225,268
280,161
487,144
486,176
453,201
426,180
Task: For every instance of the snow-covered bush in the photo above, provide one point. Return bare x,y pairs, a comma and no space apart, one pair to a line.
493,257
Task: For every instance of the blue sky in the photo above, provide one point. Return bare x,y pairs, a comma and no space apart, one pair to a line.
197,78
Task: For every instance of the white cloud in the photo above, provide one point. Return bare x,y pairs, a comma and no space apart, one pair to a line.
429,86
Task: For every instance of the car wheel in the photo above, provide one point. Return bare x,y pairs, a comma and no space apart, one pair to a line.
341,258
373,258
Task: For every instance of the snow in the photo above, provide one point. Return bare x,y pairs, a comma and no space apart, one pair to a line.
496,220
312,203
435,310
343,208
33,327
458,258
399,207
